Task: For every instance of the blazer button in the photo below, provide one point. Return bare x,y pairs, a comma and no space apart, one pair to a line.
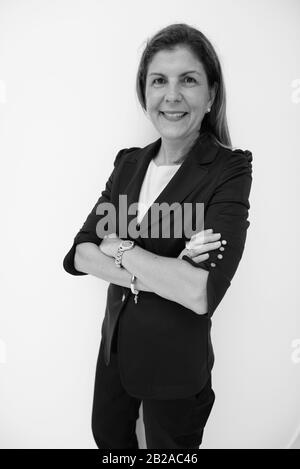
220,256
213,264
123,297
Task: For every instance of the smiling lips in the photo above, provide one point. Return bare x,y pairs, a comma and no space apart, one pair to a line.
173,116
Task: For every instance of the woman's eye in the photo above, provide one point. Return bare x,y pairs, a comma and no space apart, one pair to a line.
191,78
185,78
157,79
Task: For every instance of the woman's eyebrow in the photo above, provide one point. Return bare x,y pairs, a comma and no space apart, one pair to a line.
184,73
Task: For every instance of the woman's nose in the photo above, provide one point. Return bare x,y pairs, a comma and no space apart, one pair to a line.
173,94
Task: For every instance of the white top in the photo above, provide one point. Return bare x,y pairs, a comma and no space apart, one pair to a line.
155,180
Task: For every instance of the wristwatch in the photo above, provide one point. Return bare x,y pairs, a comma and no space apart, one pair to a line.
124,246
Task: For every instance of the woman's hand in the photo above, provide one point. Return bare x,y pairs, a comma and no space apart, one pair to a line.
200,243
109,245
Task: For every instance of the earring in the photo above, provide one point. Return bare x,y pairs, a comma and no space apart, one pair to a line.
208,110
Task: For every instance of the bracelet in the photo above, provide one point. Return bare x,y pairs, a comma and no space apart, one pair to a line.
135,292
133,278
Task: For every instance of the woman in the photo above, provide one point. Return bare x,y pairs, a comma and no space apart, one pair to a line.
155,337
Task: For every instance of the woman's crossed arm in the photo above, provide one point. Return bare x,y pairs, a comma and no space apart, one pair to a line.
171,278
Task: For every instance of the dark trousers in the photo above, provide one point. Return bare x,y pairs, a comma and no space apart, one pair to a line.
173,423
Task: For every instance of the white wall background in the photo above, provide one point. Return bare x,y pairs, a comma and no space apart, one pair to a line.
67,106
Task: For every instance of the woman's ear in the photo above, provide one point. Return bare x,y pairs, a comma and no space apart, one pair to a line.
212,93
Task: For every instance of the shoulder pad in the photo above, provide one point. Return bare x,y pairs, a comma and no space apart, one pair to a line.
246,153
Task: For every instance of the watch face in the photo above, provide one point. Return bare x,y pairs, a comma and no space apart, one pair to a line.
127,244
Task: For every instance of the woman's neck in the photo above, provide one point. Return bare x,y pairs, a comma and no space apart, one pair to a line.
171,153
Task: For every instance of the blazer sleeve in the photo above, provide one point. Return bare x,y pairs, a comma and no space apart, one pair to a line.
87,233
227,213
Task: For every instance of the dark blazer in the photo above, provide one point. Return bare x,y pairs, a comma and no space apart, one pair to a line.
165,349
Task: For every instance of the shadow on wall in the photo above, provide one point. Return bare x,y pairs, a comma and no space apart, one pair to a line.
295,442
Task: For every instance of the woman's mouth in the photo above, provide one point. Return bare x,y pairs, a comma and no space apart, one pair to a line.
172,116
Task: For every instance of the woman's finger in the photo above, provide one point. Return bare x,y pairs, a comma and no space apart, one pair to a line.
201,248
201,258
202,233
203,240
185,252
208,230
194,255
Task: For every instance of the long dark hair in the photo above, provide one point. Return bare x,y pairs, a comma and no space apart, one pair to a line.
181,34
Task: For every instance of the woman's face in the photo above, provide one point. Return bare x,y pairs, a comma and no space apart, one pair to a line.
170,88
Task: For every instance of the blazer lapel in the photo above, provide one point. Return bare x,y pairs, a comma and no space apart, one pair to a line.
189,175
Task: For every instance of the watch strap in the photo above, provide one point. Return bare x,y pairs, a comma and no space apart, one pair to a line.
120,251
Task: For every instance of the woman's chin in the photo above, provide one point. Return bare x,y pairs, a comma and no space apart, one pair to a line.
172,133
